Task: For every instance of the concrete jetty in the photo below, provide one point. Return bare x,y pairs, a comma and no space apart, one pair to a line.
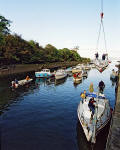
113,141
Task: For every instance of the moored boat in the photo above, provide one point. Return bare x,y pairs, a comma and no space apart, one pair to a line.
93,123
84,73
21,83
114,75
77,77
60,74
44,73
76,70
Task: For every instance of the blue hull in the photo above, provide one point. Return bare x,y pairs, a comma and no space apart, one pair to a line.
42,75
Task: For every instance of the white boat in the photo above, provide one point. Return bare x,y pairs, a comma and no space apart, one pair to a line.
20,83
44,73
114,75
101,65
84,73
60,74
87,67
92,126
76,69
77,77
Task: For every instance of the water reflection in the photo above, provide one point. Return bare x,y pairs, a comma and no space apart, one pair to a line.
77,83
60,82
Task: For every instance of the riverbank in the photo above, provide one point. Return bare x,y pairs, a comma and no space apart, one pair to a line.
21,68
113,142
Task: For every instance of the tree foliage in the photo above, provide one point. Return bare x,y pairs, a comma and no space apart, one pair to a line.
15,49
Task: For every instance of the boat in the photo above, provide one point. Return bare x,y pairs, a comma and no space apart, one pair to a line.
77,69
114,75
77,77
84,73
101,65
92,124
60,74
44,73
87,67
20,83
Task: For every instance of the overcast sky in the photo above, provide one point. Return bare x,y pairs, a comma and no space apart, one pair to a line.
66,23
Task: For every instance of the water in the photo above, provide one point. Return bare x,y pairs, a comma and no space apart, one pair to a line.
43,115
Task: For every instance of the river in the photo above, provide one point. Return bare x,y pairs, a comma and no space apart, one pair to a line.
43,115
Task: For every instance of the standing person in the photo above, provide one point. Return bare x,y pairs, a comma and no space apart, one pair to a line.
91,105
96,55
91,89
83,94
101,86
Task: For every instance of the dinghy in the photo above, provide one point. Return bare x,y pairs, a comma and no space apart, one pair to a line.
20,83
92,124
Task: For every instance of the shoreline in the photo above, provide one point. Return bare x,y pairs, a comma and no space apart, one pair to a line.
24,68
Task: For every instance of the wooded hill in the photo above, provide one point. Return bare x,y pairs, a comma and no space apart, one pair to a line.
15,50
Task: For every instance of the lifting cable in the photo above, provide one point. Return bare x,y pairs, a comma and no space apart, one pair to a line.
101,26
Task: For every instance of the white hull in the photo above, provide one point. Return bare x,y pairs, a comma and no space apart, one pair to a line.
102,116
75,70
60,74
22,82
77,79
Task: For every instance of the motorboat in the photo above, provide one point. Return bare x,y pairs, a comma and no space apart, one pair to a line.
44,73
77,69
77,77
20,83
114,75
93,123
60,74
84,73
87,67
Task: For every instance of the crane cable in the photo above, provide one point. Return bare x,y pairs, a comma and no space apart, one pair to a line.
101,26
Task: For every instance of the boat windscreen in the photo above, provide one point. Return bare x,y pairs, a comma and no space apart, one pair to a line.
94,95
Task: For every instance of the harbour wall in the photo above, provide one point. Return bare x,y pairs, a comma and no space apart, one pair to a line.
14,69
113,141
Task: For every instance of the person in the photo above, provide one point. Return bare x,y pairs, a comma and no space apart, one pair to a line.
92,105
16,81
83,95
96,55
101,86
91,89
27,78
103,57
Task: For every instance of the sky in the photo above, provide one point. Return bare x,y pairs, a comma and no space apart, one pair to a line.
66,23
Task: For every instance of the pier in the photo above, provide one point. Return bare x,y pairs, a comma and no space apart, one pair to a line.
113,141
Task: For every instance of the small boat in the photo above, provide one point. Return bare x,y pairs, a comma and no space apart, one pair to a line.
87,67
44,73
60,74
93,123
84,73
77,77
114,75
20,83
76,69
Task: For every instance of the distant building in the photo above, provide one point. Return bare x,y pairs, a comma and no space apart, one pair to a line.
76,48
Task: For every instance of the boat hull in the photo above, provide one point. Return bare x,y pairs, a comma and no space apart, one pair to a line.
84,116
42,75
